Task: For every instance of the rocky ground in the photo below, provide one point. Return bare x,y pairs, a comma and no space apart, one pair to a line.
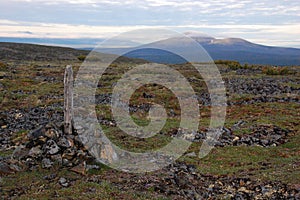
256,157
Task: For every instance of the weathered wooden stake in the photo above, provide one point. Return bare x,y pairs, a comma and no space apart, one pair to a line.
68,100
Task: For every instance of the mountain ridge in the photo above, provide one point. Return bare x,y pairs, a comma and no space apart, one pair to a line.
236,49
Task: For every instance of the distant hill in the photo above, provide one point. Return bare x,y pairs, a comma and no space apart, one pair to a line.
34,52
219,49
20,51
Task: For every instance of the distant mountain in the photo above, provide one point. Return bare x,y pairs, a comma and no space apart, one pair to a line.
219,49
33,52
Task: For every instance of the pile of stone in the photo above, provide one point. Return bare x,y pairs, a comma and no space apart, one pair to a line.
185,181
259,91
19,120
263,135
50,145
261,86
47,146
265,99
182,181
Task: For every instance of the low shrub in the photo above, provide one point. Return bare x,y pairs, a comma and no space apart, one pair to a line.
3,66
276,70
233,65
81,57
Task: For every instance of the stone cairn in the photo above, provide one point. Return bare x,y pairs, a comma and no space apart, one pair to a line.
52,145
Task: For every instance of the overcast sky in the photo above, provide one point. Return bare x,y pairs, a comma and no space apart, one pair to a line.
270,22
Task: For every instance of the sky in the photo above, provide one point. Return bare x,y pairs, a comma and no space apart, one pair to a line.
268,22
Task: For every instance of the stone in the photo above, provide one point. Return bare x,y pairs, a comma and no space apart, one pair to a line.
90,167
236,138
57,158
31,163
49,177
47,163
51,133
264,142
20,152
69,153
192,154
18,115
66,162
108,153
63,182
81,154
35,152
80,169
51,147
15,168
200,136
65,142
37,133
186,135
5,169
244,189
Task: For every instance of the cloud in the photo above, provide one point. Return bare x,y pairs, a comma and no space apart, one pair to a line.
26,32
267,21
139,11
51,30
254,5
280,35
8,22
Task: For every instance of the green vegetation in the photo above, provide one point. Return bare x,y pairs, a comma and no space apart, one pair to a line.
81,57
234,65
277,70
3,66
33,83
32,185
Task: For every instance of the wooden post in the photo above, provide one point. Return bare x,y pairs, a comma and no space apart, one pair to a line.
68,100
